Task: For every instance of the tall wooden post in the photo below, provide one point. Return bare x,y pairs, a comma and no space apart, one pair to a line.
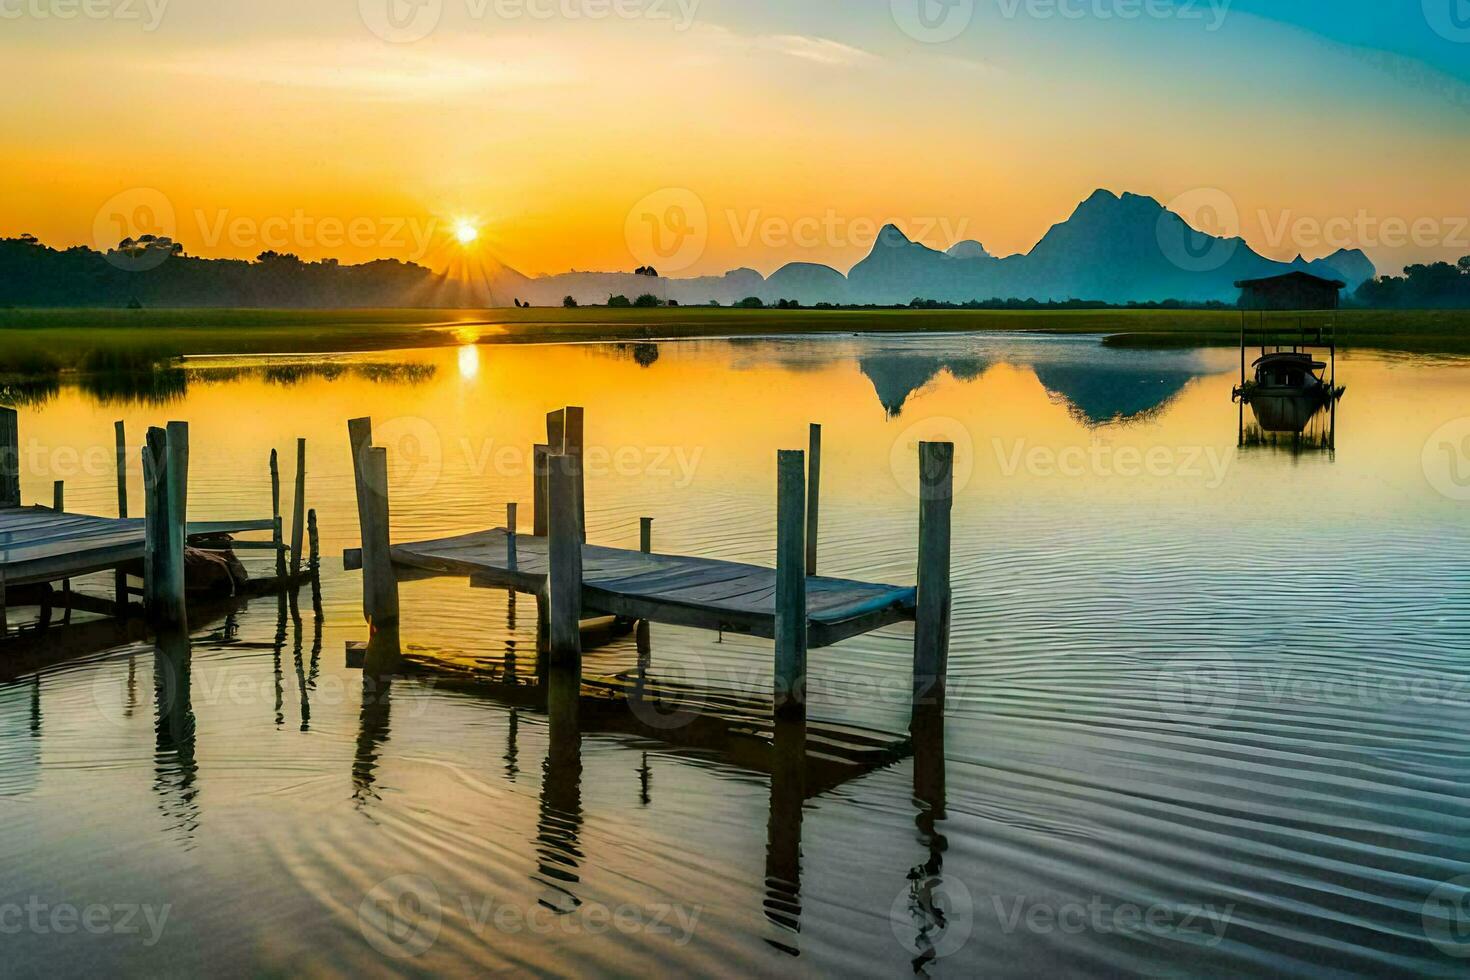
642,638
166,477
791,619
931,620
298,512
813,496
360,436
510,537
564,550
575,445
277,531
120,577
538,490
314,545
58,496
379,581
9,458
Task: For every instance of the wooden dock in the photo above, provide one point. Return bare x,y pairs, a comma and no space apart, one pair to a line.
573,580
676,590
41,545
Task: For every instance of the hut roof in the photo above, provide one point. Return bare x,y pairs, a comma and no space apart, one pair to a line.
1304,278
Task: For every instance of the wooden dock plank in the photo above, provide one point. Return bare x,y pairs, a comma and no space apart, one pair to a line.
676,589
38,544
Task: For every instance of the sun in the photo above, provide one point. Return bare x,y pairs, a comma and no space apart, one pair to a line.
465,232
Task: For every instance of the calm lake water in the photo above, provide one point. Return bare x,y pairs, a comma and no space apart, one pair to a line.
1208,704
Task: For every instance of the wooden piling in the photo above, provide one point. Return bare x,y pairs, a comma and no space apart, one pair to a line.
791,621
510,536
564,555
314,545
931,621
166,477
120,577
575,446
278,539
298,511
58,504
813,495
360,436
642,633
379,581
9,458
538,490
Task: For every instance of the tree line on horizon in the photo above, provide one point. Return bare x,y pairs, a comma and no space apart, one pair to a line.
156,272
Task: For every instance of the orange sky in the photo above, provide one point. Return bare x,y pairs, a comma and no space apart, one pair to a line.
794,133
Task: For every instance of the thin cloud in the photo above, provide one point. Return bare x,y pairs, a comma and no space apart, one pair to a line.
378,71
817,49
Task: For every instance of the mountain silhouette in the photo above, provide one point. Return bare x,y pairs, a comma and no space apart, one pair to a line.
1114,249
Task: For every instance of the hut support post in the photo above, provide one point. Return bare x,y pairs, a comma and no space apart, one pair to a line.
791,620
298,511
9,458
564,550
813,496
931,621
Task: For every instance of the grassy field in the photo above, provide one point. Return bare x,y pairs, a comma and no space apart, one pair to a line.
38,342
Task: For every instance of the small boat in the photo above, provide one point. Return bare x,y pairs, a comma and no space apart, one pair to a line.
1293,374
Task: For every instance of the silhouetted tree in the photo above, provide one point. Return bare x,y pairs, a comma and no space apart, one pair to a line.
646,300
1437,285
619,302
751,303
570,302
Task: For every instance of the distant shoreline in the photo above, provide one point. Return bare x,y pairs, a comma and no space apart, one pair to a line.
37,342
